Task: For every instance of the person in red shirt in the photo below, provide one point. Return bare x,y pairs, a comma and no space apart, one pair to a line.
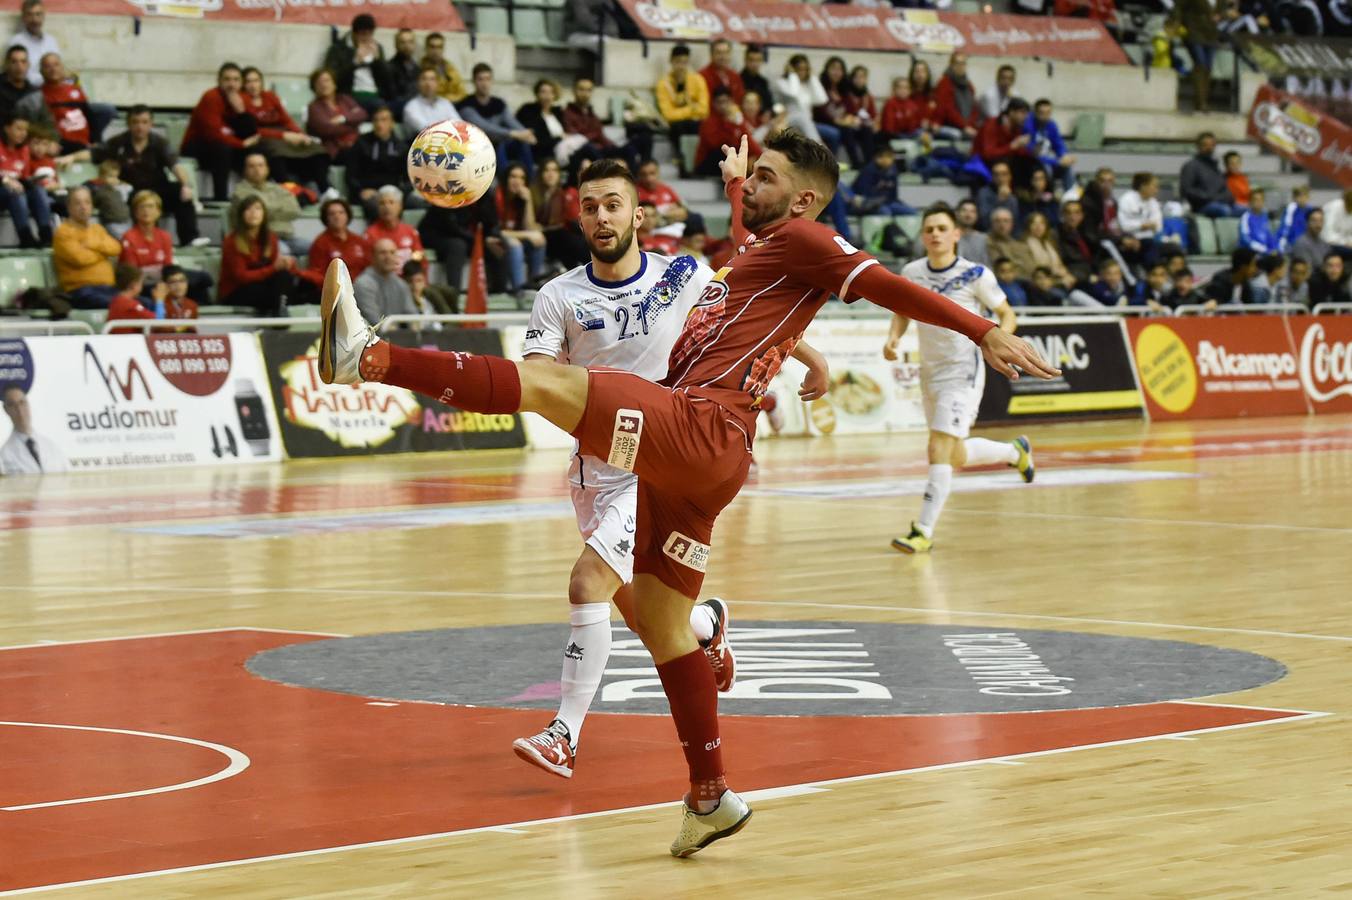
647,236
292,154
68,104
167,300
556,212
147,246
922,94
719,73
24,197
254,271
903,116
219,130
725,127
859,100
689,438
336,242
959,108
1002,139
389,225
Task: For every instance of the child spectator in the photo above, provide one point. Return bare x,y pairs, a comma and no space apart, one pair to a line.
1008,278
179,303
1182,292
1236,182
859,101
1255,230
1153,291
1110,289
43,147
761,121
694,240
126,304
903,116
1298,282
875,187
1139,214
725,126
1269,285
25,199
110,194
1042,289
424,301
1294,217
1233,286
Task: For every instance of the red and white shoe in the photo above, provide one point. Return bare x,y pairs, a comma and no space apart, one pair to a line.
719,648
551,750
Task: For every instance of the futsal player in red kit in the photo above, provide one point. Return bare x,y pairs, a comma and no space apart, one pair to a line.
689,438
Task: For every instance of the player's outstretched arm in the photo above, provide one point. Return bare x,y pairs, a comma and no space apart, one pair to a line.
733,166
899,325
817,381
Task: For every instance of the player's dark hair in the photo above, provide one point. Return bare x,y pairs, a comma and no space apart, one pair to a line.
808,157
938,209
610,168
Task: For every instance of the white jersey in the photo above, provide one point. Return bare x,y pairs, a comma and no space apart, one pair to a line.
630,325
947,355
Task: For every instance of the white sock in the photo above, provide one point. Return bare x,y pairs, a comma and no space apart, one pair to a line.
584,662
702,621
936,492
982,452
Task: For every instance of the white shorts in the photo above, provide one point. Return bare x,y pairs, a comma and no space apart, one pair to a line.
605,517
951,406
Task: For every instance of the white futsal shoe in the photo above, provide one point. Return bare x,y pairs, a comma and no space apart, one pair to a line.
343,333
699,831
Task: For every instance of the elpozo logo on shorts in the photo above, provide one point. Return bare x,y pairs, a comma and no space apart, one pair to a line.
1325,366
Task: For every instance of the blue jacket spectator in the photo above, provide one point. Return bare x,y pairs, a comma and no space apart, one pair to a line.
1294,218
1255,229
875,187
1048,145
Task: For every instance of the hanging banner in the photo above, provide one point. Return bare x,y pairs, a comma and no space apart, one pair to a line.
1097,377
849,27
1280,55
121,401
435,15
1302,134
320,419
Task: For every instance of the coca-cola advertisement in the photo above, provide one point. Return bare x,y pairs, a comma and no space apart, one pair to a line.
1324,360
1301,133
851,27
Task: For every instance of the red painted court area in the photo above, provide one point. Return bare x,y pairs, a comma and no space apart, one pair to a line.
324,770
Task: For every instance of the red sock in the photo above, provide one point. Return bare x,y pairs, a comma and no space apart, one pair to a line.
689,684
481,384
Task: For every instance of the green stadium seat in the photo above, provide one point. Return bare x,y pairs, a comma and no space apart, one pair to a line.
1089,129
1206,236
491,20
18,274
1227,235
689,144
295,95
530,27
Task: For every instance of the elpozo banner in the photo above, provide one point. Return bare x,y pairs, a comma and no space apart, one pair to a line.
1097,377
437,15
118,401
320,419
850,27
1302,134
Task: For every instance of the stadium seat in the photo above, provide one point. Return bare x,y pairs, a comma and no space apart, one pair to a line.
1206,236
1227,235
530,27
491,20
295,95
1089,129
18,274
689,144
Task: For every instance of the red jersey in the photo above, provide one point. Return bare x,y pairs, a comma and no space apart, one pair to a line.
902,116
15,161
272,118
716,77
69,107
404,235
351,249
660,243
716,131
661,196
152,253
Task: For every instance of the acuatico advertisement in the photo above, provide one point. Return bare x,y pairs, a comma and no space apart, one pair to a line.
1097,379
115,401
320,419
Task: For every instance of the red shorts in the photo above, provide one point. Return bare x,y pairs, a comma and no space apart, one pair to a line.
691,456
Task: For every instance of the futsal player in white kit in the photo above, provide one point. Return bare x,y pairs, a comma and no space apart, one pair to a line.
623,310
952,372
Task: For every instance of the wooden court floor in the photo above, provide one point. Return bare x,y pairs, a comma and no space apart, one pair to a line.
1234,535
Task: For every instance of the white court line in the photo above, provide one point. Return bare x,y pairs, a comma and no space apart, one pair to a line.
513,827
382,589
238,763
163,634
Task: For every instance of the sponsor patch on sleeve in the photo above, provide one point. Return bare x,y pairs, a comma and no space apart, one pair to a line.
625,439
687,551
845,245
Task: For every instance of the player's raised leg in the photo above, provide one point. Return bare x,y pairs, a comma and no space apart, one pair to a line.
1017,454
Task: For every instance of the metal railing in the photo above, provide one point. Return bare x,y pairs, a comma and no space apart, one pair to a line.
45,326
211,324
1230,309
1321,308
505,318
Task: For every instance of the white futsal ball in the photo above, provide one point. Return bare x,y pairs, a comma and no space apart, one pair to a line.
452,163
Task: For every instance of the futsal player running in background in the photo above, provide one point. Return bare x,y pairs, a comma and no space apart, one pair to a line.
689,438
624,310
952,373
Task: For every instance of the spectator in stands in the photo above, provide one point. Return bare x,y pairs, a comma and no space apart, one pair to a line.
450,85
404,69
875,187
649,238
590,141
682,96
25,198
958,106
902,117
1203,185
972,243
450,234
1007,277
1236,182
664,198
32,38
388,224
557,212
521,234
358,64
67,103
694,241
1041,289
126,303
1100,211
1139,213
999,194
1311,246
1048,145
761,122
379,289
1077,243
111,196
1235,284
1040,241
860,103
855,135
543,118
82,254
147,246
511,139
994,100
218,132
254,269
1338,224
297,156
1110,288
179,303
283,209
1182,292
1038,196
1269,285
753,79
922,92
720,73
17,93
1294,215
1296,286
1004,139
334,118
1331,284
336,241
1000,241
424,300
427,107
727,127
1153,291
145,160
1255,229
801,94
1197,19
